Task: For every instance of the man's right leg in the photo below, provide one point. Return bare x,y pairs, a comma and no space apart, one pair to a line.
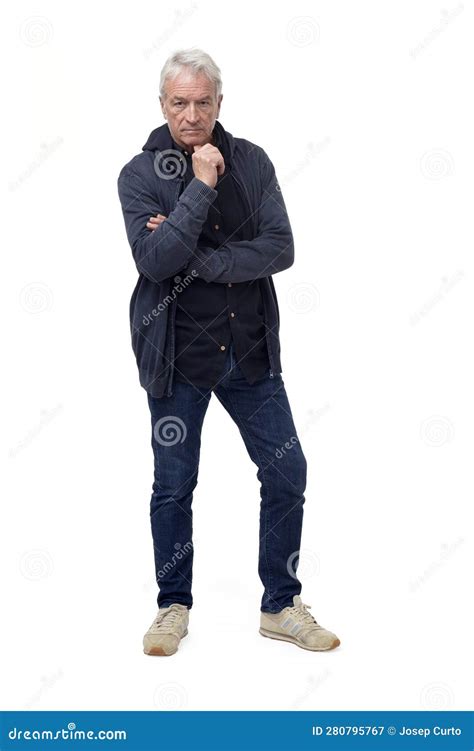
176,441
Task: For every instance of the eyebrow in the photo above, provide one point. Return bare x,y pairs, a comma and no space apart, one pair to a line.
183,99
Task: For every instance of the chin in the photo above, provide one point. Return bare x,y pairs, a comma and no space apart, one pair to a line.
194,138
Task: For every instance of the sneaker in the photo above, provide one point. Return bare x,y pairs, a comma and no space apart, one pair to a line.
296,624
167,630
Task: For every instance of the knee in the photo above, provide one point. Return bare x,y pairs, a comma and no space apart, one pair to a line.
299,468
174,480
289,467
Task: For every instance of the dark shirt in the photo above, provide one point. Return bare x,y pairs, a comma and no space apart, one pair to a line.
210,315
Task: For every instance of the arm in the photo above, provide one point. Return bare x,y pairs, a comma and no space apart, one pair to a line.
165,251
245,260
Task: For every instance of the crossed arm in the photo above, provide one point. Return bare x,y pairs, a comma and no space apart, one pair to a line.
163,246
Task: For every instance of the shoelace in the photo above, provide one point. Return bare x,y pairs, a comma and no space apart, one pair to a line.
302,614
166,626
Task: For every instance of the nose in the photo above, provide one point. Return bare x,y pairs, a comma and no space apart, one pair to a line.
191,114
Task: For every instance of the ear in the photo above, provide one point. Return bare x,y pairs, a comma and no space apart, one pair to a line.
162,103
221,96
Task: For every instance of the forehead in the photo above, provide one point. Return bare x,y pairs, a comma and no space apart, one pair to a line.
189,86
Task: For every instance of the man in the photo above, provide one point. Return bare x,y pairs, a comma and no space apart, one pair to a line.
207,225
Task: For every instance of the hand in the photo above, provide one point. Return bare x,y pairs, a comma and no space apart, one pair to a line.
155,221
208,163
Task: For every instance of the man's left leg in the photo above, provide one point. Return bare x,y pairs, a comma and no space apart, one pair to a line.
263,416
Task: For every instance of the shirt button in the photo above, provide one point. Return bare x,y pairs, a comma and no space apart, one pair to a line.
216,226
232,315
222,346
229,284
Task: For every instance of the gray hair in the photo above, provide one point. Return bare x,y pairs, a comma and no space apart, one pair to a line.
195,59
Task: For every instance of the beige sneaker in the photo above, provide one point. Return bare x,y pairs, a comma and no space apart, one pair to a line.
167,630
297,625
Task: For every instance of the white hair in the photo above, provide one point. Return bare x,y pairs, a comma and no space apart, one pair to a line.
195,59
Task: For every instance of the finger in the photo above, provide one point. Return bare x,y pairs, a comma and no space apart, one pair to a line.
154,223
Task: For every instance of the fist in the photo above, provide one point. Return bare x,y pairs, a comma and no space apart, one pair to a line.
208,163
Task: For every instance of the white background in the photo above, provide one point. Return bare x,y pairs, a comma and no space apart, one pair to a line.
364,109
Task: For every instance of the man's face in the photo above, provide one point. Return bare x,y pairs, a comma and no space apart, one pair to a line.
191,108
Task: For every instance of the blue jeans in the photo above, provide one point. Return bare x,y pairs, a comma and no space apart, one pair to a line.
262,413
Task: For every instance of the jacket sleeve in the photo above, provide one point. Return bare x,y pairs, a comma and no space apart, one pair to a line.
272,250
160,253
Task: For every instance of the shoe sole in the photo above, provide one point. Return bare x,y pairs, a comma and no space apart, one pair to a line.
160,652
281,637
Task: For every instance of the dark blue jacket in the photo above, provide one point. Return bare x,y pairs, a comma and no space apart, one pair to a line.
170,256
